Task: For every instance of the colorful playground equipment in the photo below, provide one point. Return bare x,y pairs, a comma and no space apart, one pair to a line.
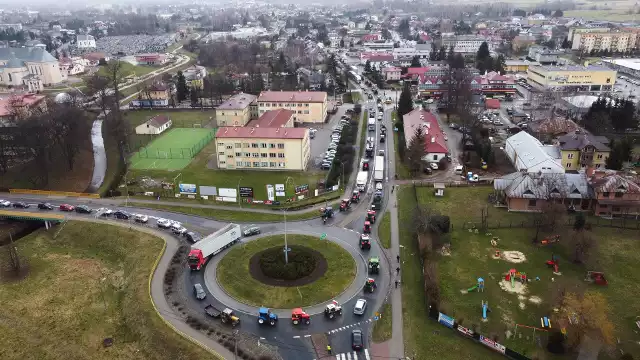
550,240
596,277
545,322
478,287
485,309
553,263
514,275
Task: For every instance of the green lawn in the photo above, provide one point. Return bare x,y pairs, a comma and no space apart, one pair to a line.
230,215
384,230
603,15
471,258
128,69
383,327
89,283
363,132
233,274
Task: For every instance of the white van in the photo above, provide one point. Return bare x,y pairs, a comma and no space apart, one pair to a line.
459,170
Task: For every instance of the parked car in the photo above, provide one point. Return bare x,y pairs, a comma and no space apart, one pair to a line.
122,215
105,212
45,206
20,205
199,292
192,237
178,229
163,223
253,230
357,341
360,307
433,166
66,207
4,203
83,209
141,218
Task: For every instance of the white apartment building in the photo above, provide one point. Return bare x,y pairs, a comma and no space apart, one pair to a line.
420,50
85,42
600,41
465,44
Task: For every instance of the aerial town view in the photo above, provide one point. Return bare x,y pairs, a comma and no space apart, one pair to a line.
291,180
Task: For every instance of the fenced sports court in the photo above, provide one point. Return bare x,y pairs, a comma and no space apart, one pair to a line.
172,150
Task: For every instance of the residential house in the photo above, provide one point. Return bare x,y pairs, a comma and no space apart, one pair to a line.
548,129
31,68
155,95
522,42
581,150
95,57
543,55
392,73
616,194
263,148
309,106
154,126
435,145
20,105
527,154
85,42
235,111
194,76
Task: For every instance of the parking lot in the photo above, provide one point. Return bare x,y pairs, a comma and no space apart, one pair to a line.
323,134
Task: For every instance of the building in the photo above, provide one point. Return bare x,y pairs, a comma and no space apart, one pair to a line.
522,42
376,57
371,37
280,118
235,111
527,154
494,84
381,45
72,66
194,76
584,30
619,41
31,68
581,150
20,105
543,55
85,42
263,148
156,95
518,66
392,73
615,195
625,66
422,51
532,191
94,58
309,106
154,126
572,78
151,59
466,45
15,27
435,145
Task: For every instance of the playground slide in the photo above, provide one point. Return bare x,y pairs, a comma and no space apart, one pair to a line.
472,288
484,310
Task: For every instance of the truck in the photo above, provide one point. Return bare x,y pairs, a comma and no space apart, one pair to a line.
212,244
371,124
361,180
378,170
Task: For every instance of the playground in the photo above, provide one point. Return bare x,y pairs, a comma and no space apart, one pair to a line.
172,150
503,285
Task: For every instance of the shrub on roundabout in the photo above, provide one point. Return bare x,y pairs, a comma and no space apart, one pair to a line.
301,263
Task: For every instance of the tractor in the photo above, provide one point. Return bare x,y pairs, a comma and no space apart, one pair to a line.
345,204
326,213
367,227
596,277
265,316
355,197
371,216
365,242
377,201
374,265
333,309
298,316
227,316
370,285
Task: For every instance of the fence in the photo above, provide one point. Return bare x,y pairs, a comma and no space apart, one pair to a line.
430,183
617,223
160,152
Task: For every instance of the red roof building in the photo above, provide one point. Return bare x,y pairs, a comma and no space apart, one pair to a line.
151,59
229,132
371,37
435,144
490,104
274,119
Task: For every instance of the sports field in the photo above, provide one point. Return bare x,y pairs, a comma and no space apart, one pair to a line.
173,150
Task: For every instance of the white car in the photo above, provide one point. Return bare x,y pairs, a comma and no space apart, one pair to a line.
141,218
163,223
5,203
104,212
360,307
178,229
378,186
429,101
434,166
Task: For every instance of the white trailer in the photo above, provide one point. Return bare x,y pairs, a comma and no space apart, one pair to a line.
213,244
378,170
371,124
361,180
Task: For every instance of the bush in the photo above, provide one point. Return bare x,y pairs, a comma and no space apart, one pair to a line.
439,224
302,262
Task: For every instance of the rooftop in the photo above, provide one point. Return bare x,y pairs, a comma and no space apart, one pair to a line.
6,102
435,142
272,119
31,54
528,154
633,64
237,102
580,140
571,68
293,96
158,121
261,133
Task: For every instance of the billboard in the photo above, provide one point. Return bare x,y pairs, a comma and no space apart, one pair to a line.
246,191
271,193
492,344
280,190
302,188
228,193
187,188
465,331
208,190
445,320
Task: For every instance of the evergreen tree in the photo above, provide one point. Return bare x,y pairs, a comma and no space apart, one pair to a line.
415,62
483,58
341,43
450,55
194,95
182,91
367,67
405,103
500,64
433,55
566,44
442,53
416,151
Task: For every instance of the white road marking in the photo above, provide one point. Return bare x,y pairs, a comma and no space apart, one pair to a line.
366,354
307,336
355,355
297,337
348,356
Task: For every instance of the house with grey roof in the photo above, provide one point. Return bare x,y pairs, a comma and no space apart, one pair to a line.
31,68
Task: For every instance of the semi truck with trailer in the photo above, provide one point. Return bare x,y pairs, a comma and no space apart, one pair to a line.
361,180
213,244
378,170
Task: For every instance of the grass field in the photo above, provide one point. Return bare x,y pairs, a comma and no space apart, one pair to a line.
88,284
128,69
471,258
603,15
363,132
233,274
384,230
382,328
172,150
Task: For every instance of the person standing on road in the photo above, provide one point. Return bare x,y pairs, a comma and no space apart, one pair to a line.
398,258
329,349
396,284
398,270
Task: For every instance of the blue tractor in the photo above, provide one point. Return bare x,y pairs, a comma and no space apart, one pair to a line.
266,317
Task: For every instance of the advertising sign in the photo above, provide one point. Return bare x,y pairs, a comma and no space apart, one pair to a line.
492,344
302,188
208,190
226,199
187,188
464,331
246,191
228,193
271,193
280,190
445,320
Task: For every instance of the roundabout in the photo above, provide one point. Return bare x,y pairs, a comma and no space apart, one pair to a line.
255,273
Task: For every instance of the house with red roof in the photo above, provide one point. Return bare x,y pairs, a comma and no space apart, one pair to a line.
371,37
435,145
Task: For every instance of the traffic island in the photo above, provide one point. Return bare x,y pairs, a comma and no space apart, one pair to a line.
318,271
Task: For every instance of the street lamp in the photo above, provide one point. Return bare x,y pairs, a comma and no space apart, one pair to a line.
239,202
284,212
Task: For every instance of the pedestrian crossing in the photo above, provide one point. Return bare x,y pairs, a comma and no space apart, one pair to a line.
354,355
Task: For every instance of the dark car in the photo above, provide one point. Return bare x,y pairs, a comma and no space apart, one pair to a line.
123,215
45,206
357,342
20,204
83,209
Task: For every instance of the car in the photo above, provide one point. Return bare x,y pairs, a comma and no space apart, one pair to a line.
199,292
105,212
122,215
178,229
83,209
141,218
253,230
429,101
20,205
45,206
325,166
446,138
360,307
163,223
66,207
192,237
433,166
378,186
454,126
357,341
4,203
497,122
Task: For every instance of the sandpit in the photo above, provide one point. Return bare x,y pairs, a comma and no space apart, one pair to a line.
515,257
535,299
518,287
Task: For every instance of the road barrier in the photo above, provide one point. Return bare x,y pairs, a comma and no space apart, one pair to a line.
54,193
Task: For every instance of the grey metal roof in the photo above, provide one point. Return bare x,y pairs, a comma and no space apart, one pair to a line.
33,54
528,154
14,63
578,141
544,186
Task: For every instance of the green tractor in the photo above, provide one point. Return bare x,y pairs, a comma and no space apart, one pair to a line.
374,265
370,285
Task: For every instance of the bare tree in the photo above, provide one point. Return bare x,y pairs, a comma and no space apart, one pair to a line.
551,190
98,88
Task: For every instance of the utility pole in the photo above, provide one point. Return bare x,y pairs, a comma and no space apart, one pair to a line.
235,341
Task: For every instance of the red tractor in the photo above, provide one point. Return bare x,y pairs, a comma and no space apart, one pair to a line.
345,205
298,316
596,277
371,216
365,242
367,227
355,197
